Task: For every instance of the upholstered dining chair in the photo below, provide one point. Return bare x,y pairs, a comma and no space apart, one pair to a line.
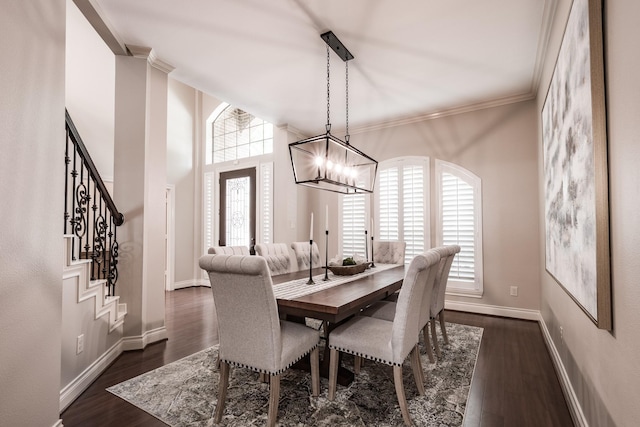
389,252
386,310
439,288
229,250
301,251
250,332
388,342
277,256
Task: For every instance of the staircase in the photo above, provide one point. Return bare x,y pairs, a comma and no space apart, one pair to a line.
104,304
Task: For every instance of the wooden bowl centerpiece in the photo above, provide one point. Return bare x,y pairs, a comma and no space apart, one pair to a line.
348,268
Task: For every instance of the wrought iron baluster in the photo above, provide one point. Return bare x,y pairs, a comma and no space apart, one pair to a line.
67,160
74,174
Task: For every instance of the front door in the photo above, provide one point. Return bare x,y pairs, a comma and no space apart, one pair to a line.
238,208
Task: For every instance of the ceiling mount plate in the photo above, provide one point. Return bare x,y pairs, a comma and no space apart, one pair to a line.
337,46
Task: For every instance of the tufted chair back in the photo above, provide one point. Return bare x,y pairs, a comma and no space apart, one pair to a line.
301,251
277,256
251,333
447,253
418,281
389,252
229,250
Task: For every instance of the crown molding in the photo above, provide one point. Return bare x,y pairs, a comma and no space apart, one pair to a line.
444,113
548,13
148,53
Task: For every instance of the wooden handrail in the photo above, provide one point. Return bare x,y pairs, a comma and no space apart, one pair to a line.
118,217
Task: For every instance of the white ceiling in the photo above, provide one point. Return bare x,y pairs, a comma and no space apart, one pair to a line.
413,58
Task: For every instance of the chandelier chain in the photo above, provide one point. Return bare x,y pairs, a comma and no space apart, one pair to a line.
328,97
346,65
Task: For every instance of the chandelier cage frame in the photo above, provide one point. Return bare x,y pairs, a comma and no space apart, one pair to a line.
327,162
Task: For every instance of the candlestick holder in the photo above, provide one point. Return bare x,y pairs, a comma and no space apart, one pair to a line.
310,282
373,264
366,246
326,255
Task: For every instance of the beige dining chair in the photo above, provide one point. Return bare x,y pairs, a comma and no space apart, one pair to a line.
389,252
386,310
301,252
250,332
229,250
388,342
439,288
277,256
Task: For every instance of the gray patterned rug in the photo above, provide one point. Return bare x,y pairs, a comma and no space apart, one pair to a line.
184,393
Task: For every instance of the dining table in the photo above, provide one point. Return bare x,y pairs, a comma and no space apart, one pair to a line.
334,300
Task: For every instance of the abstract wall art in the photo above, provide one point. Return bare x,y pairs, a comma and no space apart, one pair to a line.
574,141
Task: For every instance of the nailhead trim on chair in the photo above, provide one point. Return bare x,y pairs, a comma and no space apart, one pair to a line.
264,371
375,359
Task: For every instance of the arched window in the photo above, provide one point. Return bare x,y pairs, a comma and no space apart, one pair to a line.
459,221
236,134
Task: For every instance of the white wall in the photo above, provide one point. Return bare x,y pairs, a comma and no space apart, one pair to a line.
181,140
90,89
500,146
32,49
602,366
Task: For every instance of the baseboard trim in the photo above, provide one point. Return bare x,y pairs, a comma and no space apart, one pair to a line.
575,409
141,341
190,283
58,423
79,384
493,310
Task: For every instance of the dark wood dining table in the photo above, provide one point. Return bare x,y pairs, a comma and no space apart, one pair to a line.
337,303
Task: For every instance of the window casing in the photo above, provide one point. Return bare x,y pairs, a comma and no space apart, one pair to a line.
459,221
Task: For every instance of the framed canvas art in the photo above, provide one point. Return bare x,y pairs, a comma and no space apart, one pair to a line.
575,166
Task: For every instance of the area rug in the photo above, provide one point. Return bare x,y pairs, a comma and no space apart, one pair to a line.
184,393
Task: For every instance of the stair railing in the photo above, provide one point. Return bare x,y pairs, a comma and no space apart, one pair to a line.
89,211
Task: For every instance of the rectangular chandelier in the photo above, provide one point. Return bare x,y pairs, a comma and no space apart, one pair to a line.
329,163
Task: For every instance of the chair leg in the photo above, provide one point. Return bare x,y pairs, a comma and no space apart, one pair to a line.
427,343
402,400
274,399
315,372
333,373
443,328
435,338
222,391
416,366
357,363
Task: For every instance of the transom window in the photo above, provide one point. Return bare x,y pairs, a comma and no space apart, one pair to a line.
237,134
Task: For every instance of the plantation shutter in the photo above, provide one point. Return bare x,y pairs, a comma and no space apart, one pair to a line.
209,218
402,204
353,224
458,225
413,210
266,202
388,212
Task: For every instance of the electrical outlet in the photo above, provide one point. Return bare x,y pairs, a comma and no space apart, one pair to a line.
513,291
561,334
80,344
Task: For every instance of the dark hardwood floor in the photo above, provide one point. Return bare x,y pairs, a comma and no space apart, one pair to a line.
514,382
